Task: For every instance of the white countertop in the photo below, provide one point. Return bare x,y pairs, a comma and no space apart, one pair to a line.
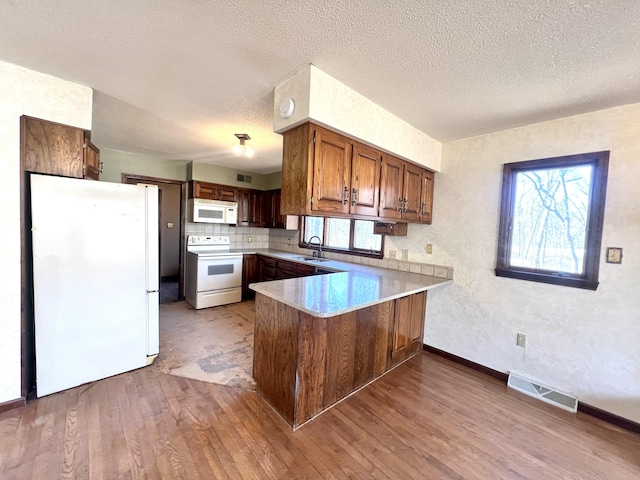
352,287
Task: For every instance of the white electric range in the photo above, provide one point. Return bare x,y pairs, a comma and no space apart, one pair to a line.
213,274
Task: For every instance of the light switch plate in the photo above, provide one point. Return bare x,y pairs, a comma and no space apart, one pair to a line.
614,255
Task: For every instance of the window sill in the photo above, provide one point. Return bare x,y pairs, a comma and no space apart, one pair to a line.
566,281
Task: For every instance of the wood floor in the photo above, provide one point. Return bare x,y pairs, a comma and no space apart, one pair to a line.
427,419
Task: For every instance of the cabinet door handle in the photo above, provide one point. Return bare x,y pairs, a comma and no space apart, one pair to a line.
400,204
345,196
423,209
404,205
354,196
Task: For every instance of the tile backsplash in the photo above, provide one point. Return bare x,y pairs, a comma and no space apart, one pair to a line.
239,236
287,240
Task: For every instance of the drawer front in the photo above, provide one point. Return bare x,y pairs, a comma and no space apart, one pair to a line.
268,261
267,273
304,270
286,266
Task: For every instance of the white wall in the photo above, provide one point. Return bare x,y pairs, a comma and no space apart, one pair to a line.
583,342
24,92
225,176
116,163
325,100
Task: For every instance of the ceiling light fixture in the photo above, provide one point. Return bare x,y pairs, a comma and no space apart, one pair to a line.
243,149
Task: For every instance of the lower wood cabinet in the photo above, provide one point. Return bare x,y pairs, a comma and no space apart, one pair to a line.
266,268
250,274
408,327
304,364
277,269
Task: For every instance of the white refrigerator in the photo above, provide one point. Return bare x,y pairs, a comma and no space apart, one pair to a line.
95,279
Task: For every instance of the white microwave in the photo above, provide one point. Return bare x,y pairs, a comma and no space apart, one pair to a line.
213,211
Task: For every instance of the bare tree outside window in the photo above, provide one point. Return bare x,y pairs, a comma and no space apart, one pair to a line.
551,219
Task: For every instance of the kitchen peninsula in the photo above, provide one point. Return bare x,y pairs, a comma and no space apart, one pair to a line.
320,338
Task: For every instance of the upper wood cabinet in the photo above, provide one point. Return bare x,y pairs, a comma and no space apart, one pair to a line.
92,166
325,173
391,187
328,174
250,212
365,180
271,216
212,191
56,149
331,172
406,191
426,199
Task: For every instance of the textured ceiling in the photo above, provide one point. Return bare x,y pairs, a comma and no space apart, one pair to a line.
177,79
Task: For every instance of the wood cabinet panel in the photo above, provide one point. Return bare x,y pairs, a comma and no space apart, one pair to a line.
339,368
250,212
275,354
401,327
328,174
52,148
203,190
426,200
250,274
332,358
365,181
226,193
406,191
331,173
244,211
416,325
212,191
91,156
312,352
297,170
271,208
408,327
411,192
391,179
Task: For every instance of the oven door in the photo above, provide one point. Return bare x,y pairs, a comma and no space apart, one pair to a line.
217,272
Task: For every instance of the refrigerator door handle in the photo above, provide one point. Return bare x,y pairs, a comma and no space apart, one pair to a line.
153,291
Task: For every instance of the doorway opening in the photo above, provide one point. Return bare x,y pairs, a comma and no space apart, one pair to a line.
172,196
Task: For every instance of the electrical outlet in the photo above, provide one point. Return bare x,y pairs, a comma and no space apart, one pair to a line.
521,340
405,255
249,239
429,248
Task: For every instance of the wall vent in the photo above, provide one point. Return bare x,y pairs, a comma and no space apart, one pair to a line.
546,394
244,178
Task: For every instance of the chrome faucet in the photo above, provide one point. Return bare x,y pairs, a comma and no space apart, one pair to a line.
319,252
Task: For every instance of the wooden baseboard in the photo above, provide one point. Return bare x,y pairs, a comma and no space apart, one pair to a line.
503,377
582,407
609,417
11,404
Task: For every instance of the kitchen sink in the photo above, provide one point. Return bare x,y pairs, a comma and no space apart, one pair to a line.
311,259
